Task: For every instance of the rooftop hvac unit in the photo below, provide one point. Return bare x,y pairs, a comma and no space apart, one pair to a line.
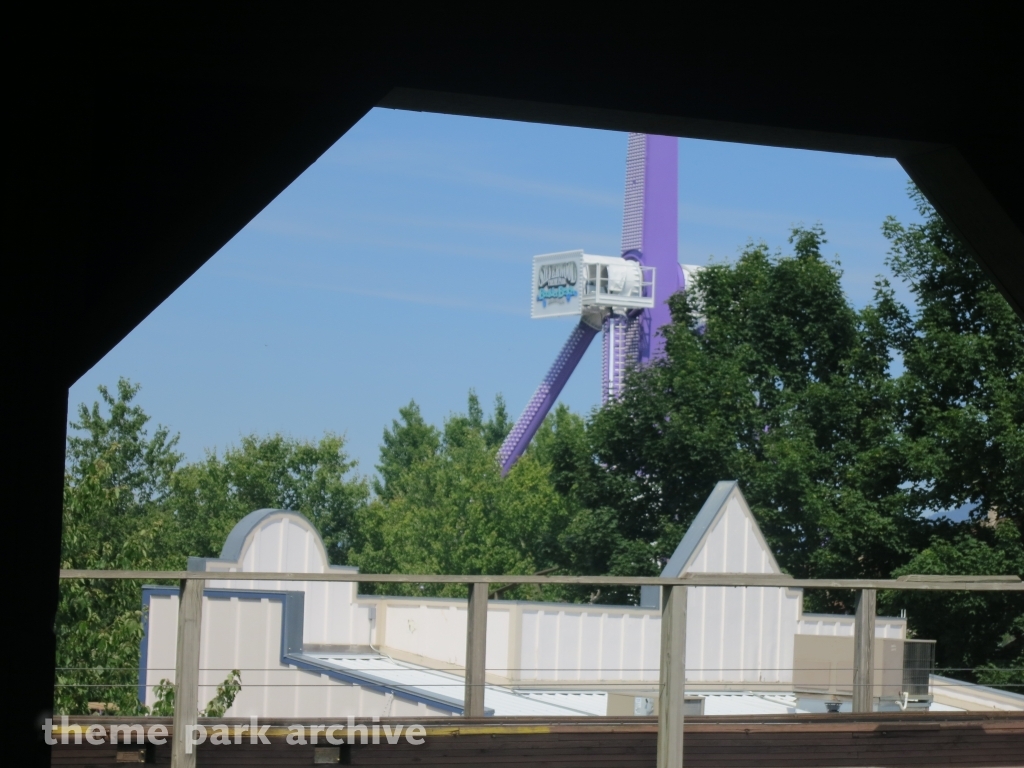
918,665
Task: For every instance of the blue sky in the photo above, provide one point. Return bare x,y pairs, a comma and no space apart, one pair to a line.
397,268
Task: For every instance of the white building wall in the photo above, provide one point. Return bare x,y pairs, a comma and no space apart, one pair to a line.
288,543
569,642
436,629
839,625
731,637
245,634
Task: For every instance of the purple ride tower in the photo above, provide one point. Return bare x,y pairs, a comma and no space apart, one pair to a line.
631,338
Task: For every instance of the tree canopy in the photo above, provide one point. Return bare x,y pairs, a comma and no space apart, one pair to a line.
772,378
443,507
274,472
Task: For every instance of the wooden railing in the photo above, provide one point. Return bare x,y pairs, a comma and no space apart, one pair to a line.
671,686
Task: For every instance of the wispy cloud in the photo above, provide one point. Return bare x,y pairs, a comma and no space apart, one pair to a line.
354,232
543,189
428,164
432,300
735,218
839,231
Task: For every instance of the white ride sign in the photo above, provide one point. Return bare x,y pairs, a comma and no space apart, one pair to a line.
570,282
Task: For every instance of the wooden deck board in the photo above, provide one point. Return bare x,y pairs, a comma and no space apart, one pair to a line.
984,740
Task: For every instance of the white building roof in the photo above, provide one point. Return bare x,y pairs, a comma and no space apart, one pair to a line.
500,701
750,704
508,702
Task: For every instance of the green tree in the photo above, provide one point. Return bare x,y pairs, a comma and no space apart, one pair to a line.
589,542
772,378
221,702
979,634
446,508
962,392
116,486
408,442
140,467
961,410
275,472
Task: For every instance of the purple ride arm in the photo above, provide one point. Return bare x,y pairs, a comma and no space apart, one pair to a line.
650,229
545,396
655,170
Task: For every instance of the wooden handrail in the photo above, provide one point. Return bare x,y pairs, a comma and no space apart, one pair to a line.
924,582
673,630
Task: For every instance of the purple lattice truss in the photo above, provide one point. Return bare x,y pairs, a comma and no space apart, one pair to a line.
633,206
546,395
620,353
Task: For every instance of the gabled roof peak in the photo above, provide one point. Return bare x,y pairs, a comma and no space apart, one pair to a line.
739,548
724,537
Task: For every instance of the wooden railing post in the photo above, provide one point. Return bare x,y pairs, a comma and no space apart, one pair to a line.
186,672
476,649
672,686
864,652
